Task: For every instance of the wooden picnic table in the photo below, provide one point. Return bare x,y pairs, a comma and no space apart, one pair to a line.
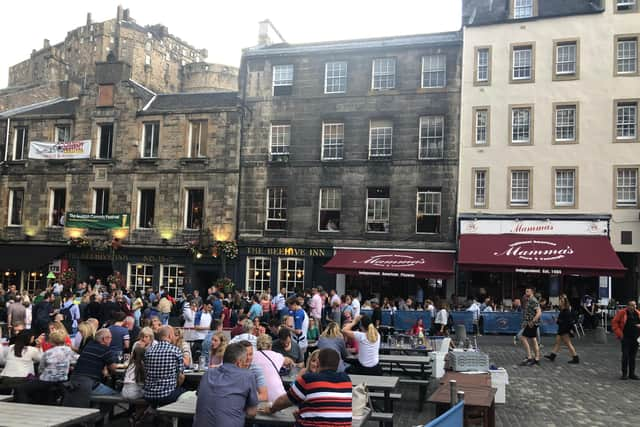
479,401
187,409
26,415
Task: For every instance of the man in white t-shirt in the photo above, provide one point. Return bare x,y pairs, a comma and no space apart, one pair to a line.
202,322
355,305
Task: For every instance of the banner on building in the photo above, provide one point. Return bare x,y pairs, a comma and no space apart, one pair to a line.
96,222
60,150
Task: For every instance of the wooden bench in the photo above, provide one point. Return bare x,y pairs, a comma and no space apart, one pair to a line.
384,418
422,387
379,395
108,404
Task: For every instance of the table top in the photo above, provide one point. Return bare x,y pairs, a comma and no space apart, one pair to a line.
474,395
466,379
187,408
24,415
376,382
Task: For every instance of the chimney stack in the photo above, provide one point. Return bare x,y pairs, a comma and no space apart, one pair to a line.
89,21
126,15
263,33
46,44
119,14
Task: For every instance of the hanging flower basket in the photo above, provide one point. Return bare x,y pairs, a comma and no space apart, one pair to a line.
226,284
79,242
228,248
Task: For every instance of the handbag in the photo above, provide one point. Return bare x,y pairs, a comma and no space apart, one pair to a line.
360,399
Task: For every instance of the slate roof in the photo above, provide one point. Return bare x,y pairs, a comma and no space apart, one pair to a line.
59,107
191,102
141,91
348,45
487,12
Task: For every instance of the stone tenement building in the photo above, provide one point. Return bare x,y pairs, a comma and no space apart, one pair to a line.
350,155
159,60
167,161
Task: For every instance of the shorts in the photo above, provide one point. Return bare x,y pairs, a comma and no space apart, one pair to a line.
530,331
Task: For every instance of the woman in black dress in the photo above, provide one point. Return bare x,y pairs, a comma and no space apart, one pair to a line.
565,324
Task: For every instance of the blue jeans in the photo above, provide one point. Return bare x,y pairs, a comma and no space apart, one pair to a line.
165,318
172,397
103,390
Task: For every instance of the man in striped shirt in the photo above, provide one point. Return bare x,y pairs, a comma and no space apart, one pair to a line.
324,398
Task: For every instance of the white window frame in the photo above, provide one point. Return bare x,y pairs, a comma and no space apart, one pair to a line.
519,64
518,129
138,210
279,139
629,186
295,280
335,77
10,216
434,71
562,128
185,217
59,129
52,195
175,273
484,127
626,5
133,276
380,208
565,187
520,202
331,141
425,204
480,187
482,67
437,124
155,127
386,75
281,205
523,9
95,200
24,143
199,143
380,138
568,59
263,276
283,75
333,204
626,56
629,122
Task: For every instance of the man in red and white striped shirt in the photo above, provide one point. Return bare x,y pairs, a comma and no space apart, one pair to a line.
324,397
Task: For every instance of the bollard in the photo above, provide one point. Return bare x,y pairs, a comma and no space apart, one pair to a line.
460,396
461,333
453,389
600,335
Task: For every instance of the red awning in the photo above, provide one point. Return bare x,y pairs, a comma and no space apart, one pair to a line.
523,253
391,263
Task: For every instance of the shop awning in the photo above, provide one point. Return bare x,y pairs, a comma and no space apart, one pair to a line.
391,263
28,257
521,253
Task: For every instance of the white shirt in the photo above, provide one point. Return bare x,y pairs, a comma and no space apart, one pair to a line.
475,309
20,367
367,351
316,306
442,317
355,304
205,322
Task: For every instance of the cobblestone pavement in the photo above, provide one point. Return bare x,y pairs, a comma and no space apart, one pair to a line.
554,393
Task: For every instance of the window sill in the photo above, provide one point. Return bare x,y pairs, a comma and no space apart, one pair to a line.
521,81
482,83
391,91
16,162
102,161
432,89
625,141
435,158
147,161
278,158
380,159
194,160
635,206
329,231
565,77
634,74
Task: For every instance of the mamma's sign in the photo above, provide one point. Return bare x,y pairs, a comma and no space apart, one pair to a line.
60,150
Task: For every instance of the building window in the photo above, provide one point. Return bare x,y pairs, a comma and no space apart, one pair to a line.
146,208
565,182
522,9
627,187
627,55
280,139
197,138
566,58
193,208
291,274
378,210
58,206
384,74
21,143
276,209
431,137
481,126
140,276
172,279
335,77
282,80
380,138
428,211
330,208
258,275
480,188
16,203
105,148
522,63
101,201
566,123
483,65
626,121
150,140
34,282
62,133
434,71
520,185
147,60
626,5
521,125
332,141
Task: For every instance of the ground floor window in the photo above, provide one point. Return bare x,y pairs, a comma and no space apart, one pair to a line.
172,279
291,274
140,276
33,282
258,274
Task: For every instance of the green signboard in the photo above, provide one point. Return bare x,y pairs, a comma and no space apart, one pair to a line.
96,222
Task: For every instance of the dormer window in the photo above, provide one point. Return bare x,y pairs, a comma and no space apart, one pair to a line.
522,9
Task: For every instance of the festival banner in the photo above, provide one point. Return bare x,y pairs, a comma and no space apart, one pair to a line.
60,150
96,222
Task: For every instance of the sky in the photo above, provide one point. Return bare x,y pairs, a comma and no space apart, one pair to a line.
225,27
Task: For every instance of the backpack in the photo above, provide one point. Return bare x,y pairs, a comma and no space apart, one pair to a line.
67,319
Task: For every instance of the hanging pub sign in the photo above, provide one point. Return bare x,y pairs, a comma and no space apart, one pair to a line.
60,150
96,222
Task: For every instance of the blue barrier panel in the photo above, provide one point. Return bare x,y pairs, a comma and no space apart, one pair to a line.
367,311
404,320
501,322
454,417
548,325
463,318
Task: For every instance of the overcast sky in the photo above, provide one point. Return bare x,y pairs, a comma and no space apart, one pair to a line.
224,27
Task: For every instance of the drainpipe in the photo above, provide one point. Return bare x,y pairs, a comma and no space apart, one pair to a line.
6,142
